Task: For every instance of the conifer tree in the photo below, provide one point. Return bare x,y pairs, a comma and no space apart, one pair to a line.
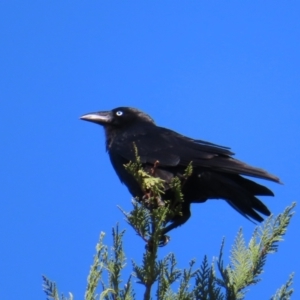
208,281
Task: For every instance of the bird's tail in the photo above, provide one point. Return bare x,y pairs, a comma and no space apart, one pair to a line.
241,193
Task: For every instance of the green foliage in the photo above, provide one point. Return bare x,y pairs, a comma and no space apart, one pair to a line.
96,269
215,281
51,290
247,262
112,263
285,292
148,183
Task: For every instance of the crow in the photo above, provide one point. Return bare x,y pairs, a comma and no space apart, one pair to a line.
215,173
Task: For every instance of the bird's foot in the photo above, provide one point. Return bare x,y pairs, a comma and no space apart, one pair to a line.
164,240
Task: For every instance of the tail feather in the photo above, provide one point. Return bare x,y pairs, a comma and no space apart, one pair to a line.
259,206
251,186
240,193
245,211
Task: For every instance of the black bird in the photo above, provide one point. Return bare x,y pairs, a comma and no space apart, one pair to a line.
216,174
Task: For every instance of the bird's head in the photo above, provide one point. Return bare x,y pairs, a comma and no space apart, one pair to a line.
118,117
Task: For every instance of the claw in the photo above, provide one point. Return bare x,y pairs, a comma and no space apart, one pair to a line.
164,240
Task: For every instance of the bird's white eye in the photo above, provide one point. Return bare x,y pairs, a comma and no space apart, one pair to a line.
119,113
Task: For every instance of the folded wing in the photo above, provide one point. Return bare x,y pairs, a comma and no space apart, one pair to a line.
172,149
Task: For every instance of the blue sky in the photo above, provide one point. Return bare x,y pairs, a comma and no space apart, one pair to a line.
222,71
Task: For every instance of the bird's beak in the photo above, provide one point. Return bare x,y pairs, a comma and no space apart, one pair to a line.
101,117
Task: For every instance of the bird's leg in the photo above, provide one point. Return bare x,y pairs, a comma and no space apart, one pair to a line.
178,220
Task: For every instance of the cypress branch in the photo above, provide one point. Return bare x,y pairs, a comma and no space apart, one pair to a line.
215,281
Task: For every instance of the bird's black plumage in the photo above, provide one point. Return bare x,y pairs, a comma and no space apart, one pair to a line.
216,174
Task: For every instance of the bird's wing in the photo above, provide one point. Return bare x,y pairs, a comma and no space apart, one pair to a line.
172,149
168,147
